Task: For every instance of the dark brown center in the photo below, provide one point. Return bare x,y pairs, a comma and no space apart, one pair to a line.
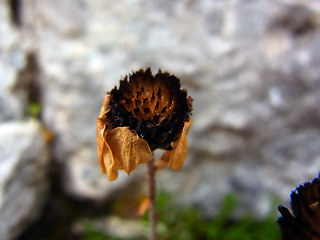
149,101
153,106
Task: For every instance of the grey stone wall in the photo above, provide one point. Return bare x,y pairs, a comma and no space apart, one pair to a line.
23,149
252,67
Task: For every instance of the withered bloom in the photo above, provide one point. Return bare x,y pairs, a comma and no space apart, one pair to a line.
146,112
304,221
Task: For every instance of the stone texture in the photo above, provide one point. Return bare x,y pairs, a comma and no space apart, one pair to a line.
252,68
83,178
11,62
23,154
23,176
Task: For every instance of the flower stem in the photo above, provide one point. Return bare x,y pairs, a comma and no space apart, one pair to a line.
152,197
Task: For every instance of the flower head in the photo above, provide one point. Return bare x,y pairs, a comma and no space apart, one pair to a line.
146,112
304,223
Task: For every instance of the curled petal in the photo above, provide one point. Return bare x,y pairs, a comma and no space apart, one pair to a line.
106,161
118,148
101,144
109,163
145,113
105,106
175,157
127,148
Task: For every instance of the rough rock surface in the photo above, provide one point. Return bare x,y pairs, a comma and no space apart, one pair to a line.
23,152
252,68
11,62
23,176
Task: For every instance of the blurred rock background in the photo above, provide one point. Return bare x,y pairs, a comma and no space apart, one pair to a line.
252,67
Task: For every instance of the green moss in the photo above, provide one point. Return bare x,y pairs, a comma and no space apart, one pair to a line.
245,228
188,224
34,109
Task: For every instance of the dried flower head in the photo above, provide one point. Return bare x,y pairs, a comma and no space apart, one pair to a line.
146,112
304,223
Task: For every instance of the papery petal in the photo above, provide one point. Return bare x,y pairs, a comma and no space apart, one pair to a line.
105,106
109,162
100,143
100,132
144,206
112,170
128,149
106,161
119,148
176,157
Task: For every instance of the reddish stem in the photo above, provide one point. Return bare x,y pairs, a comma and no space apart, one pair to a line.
152,197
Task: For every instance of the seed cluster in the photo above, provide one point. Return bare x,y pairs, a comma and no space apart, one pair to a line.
153,106
304,222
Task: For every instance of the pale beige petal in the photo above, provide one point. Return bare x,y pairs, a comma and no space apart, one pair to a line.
128,149
100,144
118,148
112,173
106,161
175,157
144,206
105,106
100,131
160,164
109,162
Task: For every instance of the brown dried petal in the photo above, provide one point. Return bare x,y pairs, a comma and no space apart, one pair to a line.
175,157
105,106
100,144
146,112
106,160
128,150
110,163
119,148
100,132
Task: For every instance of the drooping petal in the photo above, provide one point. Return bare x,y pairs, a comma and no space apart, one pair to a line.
145,113
101,126
118,148
144,206
106,160
127,148
100,143
105,106
175,157
111,168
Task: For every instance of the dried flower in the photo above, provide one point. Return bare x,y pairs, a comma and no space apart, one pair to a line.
146,112
304,223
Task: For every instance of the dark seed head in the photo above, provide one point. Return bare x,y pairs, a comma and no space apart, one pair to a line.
304,221
153,106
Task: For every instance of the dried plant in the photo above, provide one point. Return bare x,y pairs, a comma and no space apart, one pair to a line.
146,113
304,221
